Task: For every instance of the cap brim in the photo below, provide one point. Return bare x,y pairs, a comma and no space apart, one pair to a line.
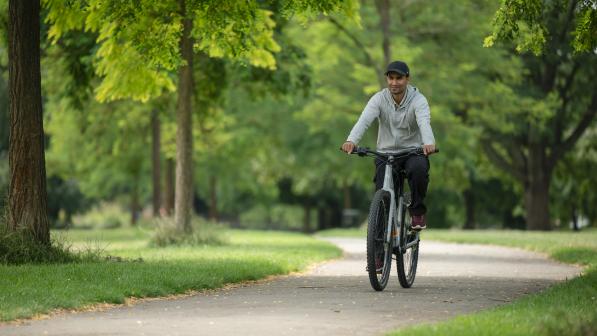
397,71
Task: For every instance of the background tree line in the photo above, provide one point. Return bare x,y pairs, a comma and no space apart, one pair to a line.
244,120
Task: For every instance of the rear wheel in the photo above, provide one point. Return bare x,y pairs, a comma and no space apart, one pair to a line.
408,255
379,252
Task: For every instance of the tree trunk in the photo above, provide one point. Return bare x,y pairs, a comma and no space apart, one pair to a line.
307,219
168,204
213,200
536,197
469,206
383,9
27,198
184,142
575,226
135,204
155,159
536,194
347,198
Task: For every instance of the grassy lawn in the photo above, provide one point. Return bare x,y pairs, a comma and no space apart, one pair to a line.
28,290
568,308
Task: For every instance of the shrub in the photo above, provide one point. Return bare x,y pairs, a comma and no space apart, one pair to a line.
18,248
102,216
204,233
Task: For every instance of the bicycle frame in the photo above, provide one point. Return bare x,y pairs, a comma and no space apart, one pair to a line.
394,216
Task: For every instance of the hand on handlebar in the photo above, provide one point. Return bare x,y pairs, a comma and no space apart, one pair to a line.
428,149
348,147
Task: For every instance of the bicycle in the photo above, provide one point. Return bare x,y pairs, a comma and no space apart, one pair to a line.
389,227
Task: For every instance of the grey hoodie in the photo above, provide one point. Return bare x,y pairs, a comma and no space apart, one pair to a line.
401,126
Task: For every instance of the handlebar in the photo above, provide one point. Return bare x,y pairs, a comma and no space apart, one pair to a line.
365,151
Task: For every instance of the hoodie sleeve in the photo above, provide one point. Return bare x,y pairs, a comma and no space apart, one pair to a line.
423,116
370,113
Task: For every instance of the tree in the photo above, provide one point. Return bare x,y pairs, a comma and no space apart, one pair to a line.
27,200
158,38
551,95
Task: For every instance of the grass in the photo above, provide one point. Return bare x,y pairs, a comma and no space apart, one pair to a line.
568,308
143,271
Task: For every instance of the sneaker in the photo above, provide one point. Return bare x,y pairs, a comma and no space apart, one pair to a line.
378,266
418,222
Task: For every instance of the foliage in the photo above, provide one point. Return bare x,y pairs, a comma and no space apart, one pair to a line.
524,22
203,233
139,44
104,149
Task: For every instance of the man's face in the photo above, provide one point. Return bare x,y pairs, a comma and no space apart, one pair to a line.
396,82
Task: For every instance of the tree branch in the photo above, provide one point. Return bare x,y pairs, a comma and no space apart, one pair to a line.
519,160
569,18
368,59
383,9
559,121
567,144
500,162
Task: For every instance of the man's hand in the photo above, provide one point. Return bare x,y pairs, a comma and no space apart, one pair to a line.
428,149
348,147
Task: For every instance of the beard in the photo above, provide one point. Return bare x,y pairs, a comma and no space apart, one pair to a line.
396,90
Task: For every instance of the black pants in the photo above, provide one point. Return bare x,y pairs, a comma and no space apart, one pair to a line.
417,173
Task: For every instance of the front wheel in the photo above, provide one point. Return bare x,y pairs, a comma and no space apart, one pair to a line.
379,251
408,255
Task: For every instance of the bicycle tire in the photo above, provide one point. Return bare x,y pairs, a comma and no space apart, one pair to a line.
379,252
407,258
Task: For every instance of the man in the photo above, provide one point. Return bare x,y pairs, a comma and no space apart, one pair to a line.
404,123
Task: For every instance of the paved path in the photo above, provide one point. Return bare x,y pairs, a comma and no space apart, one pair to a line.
335,298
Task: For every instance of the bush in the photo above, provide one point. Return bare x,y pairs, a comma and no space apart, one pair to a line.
18,248
102,216
204,233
